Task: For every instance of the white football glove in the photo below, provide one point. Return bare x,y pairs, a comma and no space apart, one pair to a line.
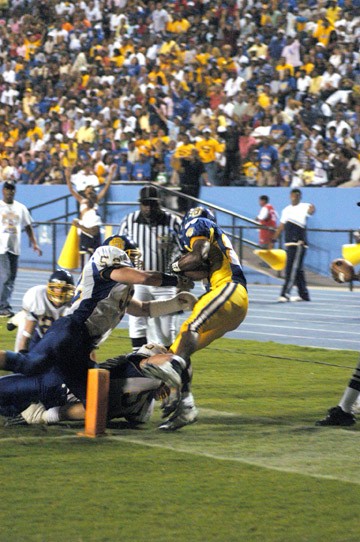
184,301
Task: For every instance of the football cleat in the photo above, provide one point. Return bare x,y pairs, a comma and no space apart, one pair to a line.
183,415
12,421
337,417
356,407
169,405
283,299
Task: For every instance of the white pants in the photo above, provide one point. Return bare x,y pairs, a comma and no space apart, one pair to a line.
161,330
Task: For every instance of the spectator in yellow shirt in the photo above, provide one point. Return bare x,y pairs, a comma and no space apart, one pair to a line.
208,147
316,84
28,101
34,129
333,12
282,66
178,25
86,133
322,31
185,148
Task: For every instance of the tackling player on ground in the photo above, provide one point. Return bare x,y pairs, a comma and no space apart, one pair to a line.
103,294
136,381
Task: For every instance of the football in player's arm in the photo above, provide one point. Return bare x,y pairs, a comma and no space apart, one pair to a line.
221,309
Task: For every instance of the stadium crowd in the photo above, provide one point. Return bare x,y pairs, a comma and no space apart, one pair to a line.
268,94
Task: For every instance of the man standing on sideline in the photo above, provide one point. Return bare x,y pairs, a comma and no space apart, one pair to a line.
293,221
14,216
267,217
192,171
155,232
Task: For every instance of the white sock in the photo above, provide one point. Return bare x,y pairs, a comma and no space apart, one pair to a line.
187,399
52,415
348,399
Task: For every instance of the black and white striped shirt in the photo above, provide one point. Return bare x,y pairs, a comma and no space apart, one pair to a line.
157,240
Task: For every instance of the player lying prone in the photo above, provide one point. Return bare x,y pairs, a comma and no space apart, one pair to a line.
136,381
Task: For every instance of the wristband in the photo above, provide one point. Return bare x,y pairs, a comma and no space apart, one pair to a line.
175,267
168,280
26,334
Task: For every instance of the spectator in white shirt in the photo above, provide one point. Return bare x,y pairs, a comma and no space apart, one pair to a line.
9,75
160,18
339,123
85,177
330,81
291,52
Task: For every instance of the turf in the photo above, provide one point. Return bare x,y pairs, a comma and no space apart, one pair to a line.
254,467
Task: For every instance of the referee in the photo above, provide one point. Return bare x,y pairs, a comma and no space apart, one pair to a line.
156,234
293,222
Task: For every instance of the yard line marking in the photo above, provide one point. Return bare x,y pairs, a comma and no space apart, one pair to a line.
185,447
257,325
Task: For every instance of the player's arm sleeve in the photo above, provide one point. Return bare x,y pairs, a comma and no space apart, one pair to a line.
105,273
29,305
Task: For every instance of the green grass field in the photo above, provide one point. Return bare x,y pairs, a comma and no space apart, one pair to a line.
254,467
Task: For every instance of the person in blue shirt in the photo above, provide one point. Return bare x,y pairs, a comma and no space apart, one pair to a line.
27,169
141,170
277,44
280,131
124,167
268,164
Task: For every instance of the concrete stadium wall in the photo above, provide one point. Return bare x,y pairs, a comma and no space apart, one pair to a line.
335,209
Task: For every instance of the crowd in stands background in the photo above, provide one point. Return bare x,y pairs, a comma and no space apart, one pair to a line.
267,93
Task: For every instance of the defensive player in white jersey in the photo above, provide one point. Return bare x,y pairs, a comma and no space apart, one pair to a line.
41,306
103,294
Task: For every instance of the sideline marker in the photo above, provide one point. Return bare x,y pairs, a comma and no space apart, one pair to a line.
351,253
69,255
97,396
275,257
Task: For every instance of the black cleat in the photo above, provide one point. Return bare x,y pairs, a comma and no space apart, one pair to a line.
336,416
15,420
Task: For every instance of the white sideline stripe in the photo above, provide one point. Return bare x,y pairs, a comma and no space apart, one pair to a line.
247,324
185,449
243,330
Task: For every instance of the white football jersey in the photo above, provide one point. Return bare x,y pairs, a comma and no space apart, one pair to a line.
39,309
100,302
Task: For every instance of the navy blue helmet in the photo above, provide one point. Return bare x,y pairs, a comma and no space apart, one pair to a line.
127,245
199,212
